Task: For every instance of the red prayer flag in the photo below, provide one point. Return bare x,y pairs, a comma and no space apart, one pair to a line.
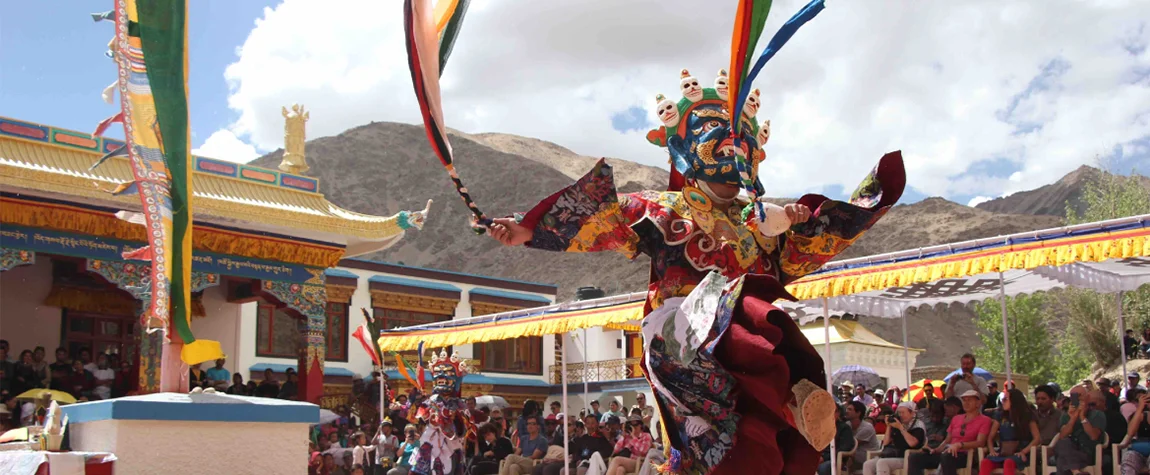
360,334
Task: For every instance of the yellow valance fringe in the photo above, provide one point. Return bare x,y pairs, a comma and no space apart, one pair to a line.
95,223
1055,255
627,327
531,326
87,300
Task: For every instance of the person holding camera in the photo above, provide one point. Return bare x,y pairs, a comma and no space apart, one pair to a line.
1083,426
903,432
965,381
968,431
1134,458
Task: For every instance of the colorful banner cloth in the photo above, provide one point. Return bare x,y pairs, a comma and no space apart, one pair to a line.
546,321
1054,247
150,48
107,249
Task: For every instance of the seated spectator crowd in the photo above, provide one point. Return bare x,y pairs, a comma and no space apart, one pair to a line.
974,428
615,442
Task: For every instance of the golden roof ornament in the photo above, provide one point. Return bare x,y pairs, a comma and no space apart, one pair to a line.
295,121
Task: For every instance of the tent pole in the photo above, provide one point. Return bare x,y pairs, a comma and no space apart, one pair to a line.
565,337
905,354
1005,331
586,399
830,386
1122,338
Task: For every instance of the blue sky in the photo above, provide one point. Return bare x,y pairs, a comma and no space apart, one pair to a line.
52,63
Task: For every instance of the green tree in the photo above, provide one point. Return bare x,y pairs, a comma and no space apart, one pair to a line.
1093,319
1071,364
1092,331
1111,196
1031,348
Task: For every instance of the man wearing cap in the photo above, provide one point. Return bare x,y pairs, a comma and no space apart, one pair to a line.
1082,429
967,431
1132,382
992,396
965,380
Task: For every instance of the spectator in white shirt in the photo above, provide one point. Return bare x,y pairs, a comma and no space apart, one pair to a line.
862,396
104,377
360,451
1132,380
86,358
385,445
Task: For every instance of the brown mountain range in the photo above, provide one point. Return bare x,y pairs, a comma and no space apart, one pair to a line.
1052,199
381,168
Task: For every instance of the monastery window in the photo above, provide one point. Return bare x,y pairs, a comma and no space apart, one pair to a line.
390,318
336,331
277,333
516,355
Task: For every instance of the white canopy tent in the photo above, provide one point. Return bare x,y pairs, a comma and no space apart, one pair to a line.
1108,256
1107,275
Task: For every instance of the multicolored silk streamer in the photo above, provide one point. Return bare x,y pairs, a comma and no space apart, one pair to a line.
430,35
421,378
373,331
401,366
151,52
749,21
781,37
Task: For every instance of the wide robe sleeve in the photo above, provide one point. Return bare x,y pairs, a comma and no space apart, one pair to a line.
835,225
588,216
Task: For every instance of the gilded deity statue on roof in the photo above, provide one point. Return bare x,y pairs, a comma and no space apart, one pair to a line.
295,121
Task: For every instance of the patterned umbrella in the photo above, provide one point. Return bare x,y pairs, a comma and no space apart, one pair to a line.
493,402
915,393
857,375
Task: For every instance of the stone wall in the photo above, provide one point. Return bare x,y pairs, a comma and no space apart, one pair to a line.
937,373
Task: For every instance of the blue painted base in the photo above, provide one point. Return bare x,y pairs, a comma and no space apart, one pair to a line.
199,407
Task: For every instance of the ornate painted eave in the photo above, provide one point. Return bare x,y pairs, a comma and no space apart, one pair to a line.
48,159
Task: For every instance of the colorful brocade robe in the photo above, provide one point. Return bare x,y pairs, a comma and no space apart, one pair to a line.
688,237
690,242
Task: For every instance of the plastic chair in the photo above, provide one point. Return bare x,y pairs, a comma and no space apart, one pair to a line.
844,460
1030,467
962,471
1116,454
1095,469
905,459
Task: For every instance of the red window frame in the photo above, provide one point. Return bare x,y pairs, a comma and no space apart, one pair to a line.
392,317
532,365
265,315
336,330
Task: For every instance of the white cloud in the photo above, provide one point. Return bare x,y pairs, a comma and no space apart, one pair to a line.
977,200
224,145
949,83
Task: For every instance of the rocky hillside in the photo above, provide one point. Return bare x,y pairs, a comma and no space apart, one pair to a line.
381,168
1052,199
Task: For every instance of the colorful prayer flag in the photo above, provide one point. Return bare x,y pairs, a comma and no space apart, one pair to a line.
360,335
